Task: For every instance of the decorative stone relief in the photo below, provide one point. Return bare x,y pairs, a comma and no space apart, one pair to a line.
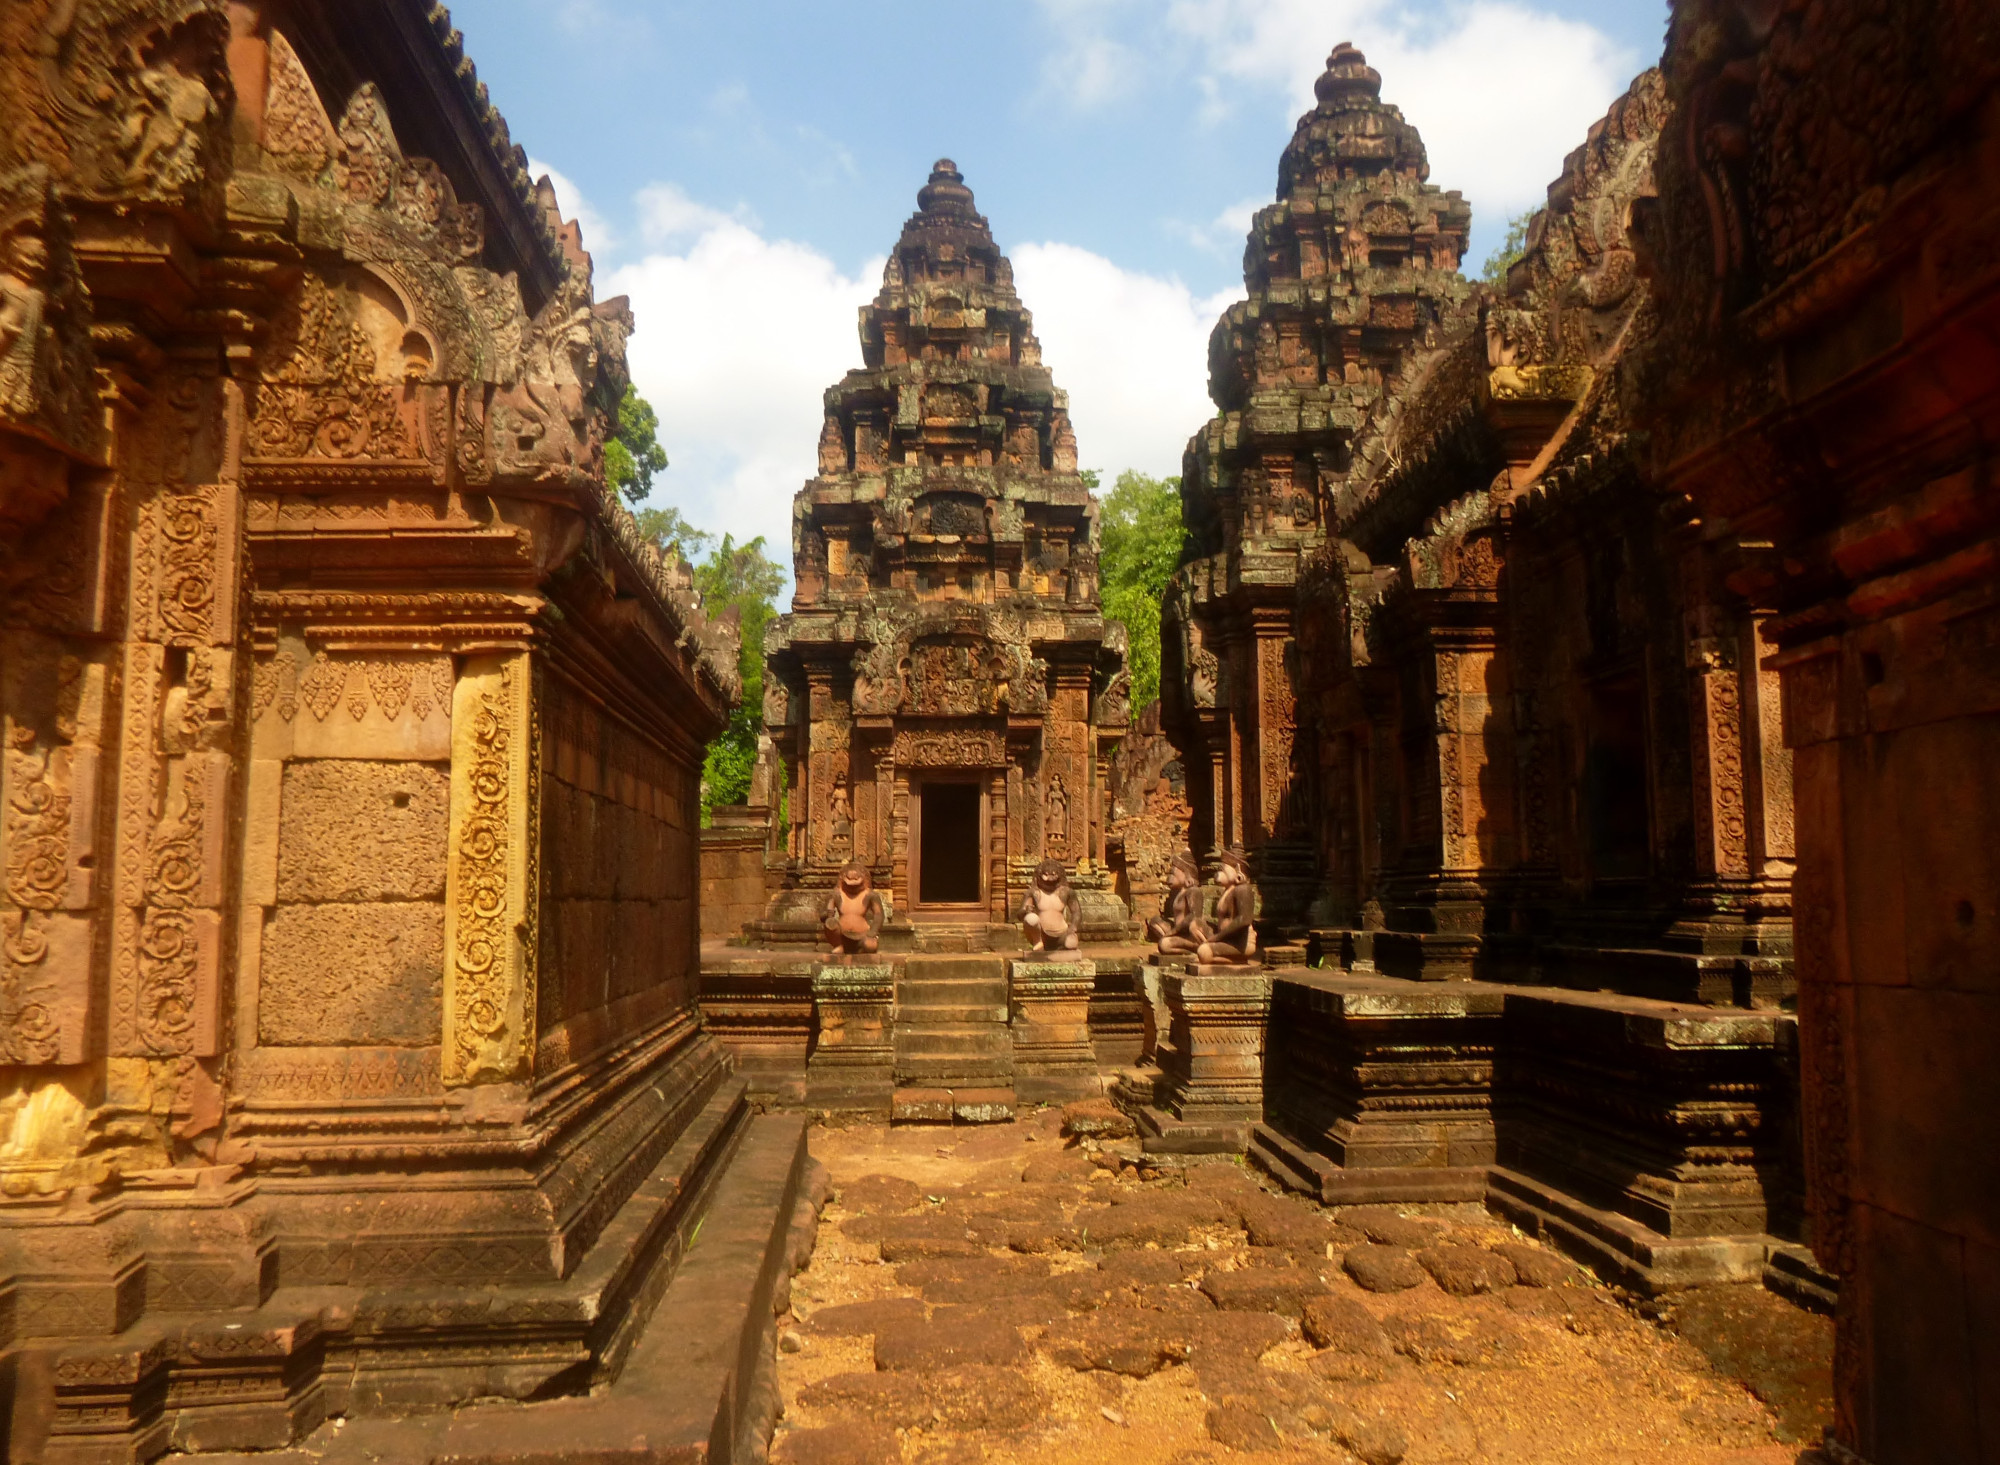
490,953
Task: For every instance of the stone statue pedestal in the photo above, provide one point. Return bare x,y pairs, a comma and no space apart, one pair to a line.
1053,1058
852,1066
1211,1086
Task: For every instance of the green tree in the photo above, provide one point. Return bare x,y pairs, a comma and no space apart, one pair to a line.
743,578
668,527
633,456
1509,249
632,459
1139,545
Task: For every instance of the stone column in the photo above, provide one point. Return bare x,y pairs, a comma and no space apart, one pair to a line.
853,1063
1212,1065
1053,1059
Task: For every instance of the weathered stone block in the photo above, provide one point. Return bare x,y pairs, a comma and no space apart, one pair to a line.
345,973
351,830
1053,1058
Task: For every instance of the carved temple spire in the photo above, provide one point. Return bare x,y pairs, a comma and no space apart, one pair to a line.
1352,133
1351,276
946,622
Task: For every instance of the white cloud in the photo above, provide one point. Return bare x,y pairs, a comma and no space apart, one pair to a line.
738,337
1131,350
1224,234
667,214
1088,65
1500,91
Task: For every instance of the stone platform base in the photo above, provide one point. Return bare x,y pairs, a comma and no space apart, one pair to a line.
952,1106
1298,1168
1620,1249
1164,1133
1792,1273
700,1382
1057,1088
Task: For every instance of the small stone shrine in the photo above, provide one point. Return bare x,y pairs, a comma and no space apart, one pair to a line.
350,1062
945,694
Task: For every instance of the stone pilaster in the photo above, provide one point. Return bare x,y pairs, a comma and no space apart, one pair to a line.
853,1062
1050,1002
1212,1064
491,880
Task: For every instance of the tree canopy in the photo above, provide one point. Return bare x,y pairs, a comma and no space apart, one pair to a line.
1508,250
1139,546
633,457
743,578
730,576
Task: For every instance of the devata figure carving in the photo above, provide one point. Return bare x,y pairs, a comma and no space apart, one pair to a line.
853,924
1234,940
1178,929
1050,913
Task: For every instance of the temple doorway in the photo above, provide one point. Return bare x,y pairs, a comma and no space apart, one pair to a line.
950,843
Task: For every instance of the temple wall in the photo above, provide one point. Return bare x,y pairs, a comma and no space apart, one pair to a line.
1825,382
619,925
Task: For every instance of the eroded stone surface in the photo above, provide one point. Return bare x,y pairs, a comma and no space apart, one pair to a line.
353,974
1382,1268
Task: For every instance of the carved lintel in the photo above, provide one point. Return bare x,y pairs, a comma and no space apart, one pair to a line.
958,749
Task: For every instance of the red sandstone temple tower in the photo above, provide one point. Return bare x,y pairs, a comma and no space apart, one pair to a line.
1353,266
946,693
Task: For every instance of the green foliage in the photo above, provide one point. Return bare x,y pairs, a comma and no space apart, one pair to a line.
1139,546
667,526
1509,250
634,456
739,577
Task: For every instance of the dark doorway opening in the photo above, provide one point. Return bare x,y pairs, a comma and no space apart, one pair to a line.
1616,806
948,844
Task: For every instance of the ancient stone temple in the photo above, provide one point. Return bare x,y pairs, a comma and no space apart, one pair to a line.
1544,747
349,796
1353,268
1502,726
945,693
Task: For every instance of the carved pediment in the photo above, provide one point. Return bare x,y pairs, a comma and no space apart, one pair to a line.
962,514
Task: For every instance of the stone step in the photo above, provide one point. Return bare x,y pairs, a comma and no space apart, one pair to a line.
954,939
946,1069
980,1039
947,1105
948,992
932,1014
930,968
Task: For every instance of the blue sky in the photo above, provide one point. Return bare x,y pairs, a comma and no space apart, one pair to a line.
741,168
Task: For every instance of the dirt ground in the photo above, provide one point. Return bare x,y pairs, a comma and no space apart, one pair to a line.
1004,1294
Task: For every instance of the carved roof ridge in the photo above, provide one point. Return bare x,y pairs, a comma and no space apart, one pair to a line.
510,155
671,579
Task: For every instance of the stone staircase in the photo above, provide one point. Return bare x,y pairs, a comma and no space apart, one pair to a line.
954,1048
942,937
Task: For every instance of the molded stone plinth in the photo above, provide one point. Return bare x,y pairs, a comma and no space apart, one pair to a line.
1053,1059
1212,1064
1386,1085
853,1061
